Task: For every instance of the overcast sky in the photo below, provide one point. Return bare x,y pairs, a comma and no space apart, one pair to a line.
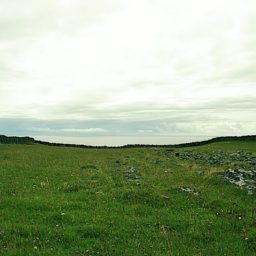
127,67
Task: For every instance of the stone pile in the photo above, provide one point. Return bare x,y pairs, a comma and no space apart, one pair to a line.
216,158
131,174
242,178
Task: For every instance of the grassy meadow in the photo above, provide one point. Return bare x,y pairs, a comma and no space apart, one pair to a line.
123,201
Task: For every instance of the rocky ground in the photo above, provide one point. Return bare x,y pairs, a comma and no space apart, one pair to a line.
242,178
239,167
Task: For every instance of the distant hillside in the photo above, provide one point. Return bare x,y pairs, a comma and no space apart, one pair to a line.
217,139
16,140
29,140
191,144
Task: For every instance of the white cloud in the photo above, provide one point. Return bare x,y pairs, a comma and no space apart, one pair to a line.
68,130
84,130
127,59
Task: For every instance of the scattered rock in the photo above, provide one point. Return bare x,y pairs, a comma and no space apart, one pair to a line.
189,190
131,169
242,178
165,197
215,158
241,164
132,174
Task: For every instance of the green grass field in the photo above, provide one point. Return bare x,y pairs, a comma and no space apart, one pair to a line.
72,201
